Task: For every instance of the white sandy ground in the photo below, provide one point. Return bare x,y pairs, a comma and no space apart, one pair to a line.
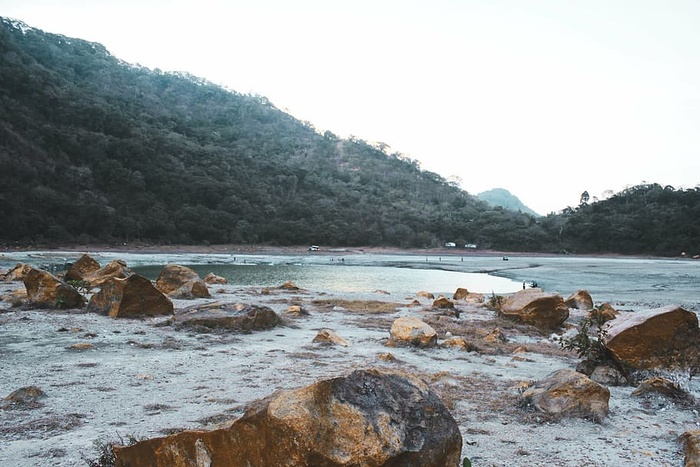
144,380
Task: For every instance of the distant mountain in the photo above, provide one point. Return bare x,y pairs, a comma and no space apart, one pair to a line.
504,198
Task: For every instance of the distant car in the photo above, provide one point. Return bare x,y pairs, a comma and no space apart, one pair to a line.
450,244
313,248
470,245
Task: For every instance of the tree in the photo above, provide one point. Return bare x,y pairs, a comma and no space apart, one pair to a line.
584,198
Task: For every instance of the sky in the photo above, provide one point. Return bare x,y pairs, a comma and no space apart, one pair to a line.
546,98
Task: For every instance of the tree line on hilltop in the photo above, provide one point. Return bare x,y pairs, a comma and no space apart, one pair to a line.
96,150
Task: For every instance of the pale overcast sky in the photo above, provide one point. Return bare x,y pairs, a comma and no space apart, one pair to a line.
544,98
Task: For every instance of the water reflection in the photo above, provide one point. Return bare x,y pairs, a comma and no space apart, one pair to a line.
347,278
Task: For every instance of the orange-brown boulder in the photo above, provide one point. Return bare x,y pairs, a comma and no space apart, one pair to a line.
113,269
18,273
663,338
532,306
460,294
443,303
424,294
581,300
567,393
413,331
212,278
82,268
48,291
603,313
181,282
131,297
369,418
691,448
329,337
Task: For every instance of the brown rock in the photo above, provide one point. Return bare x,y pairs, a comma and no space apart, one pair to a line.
82,268
229,318
691,448
604,313
289,285
296,311
460,294
663,338
443,303
25,396
665,387
212,278
496,336
567,393
46,290
413,331
608,375
18,273
532,306
580,300
327,336
459,343
113,269
369,418
424,294
181,282
131,297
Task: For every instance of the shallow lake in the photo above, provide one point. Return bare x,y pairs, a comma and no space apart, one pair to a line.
632,283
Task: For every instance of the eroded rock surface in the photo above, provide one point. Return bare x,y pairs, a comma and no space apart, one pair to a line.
580,300
181,282
369,418
232,317
46,290
662,338
413,331
532,306
82,268
131,297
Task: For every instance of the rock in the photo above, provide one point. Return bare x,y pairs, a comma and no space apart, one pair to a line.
296,311
459,343
663,338
369,418
424,294
113,269
460,294
326,336
581,300
496,336
27,396
18,273
46,290
131,297
289,285
81,346
387,357
413,331
443,303
567,393
665,387
603,313
181,282
212,278
608,375
691,448
532,306
229,318
82,268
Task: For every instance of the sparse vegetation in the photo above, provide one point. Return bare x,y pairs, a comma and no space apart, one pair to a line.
588,342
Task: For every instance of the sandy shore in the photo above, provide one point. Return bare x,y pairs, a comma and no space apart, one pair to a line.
106,378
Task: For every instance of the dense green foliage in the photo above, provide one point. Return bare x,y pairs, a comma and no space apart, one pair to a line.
93,149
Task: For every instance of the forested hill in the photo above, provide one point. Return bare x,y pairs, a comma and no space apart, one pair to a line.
96,150
93,149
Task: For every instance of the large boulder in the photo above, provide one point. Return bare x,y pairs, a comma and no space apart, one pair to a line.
662,338
413,331
48,291
581,300
18,273
131,297
113,270
227,318
567,393
691,448
532,306
369,418
181,282
82,268
212,278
